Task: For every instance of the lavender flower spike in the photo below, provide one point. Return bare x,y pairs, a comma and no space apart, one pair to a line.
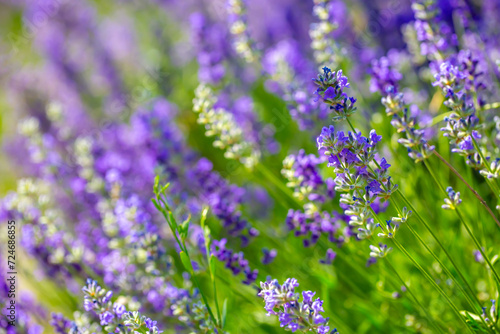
330,90
294,314
221,124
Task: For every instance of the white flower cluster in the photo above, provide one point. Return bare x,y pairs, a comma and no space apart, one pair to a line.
220,123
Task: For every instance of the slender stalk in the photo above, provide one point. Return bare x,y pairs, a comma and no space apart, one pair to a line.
431,319
212,276
469,232
350,124
432,282
436,239
209,309
496,191
476,194
447,271
425,274
469,288
164,208
278,183
474,239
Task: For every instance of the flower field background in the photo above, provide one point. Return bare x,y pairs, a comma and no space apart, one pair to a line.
199,166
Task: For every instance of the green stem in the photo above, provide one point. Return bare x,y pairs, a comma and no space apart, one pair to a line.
413,296
350,124
436,239
212,276
485,162
462,220
447,271
469,288
459,272
476,194
474,239
164,209
432,282
424,273
278,183
209,309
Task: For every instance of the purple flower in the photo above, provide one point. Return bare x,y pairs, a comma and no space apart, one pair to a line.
269,255
330,256
384,164
329,93
119,310
374,138
106,318
293,313
307,296
150,324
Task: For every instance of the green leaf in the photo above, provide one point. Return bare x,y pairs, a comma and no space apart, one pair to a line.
156,184
212,266
186,262
203,216
172,221
184,228
165,187
155,202
224,313
474,321
206,234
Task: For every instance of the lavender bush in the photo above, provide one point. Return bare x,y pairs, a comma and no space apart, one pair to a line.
166,164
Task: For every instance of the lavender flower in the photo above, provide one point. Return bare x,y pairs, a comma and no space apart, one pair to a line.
223,199
289,74
383,76
463,125
433,33
385,80
453,199
352,157
492,317
210,41
310,188
321,33
294,314
221,124
330,91
269,255
379,252
236,262
98,301
329,257
243,44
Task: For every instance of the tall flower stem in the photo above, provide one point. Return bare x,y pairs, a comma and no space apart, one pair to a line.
462,277
470,300
467,228
180,235
431,319
476,194
350,124
278,183
210,261
446,270
425,274
493,184
474,239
